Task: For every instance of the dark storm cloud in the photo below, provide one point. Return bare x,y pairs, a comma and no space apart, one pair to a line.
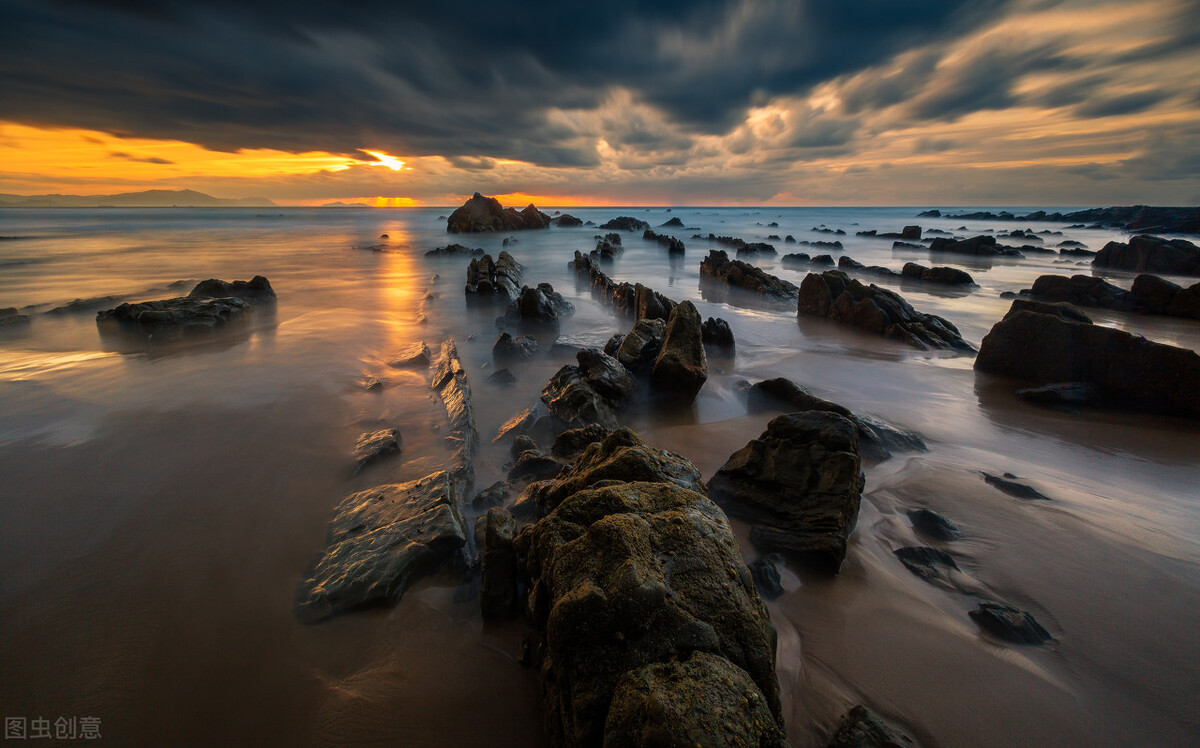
456,79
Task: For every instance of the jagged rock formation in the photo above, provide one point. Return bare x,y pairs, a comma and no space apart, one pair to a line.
211,304
674,246
835,296
737,274
481,214
635,300
501,278
1151,254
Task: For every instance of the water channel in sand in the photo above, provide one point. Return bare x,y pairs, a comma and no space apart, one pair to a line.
158,504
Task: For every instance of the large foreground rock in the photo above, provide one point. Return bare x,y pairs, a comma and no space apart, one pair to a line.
211,304
1054,343
486,214
1150,254
799,483
651,629
838,297
681,366
719,268
382,540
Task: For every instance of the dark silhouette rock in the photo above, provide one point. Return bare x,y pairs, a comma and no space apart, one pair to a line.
605,374
634,300
1150,254
835,296
382,540
533,465
1082,290
541,305
754,250
765,572
976,246
822,261
639,349
681,366
735,273
211,304
845,262
934,525
796,259
799,484
716,333
930,214
608,250
944,275
1043,343
672,223
566,220
494,495
499,279
674,246
625,223
11,318
1129,219
930,564
480,214
1009,623
498,585
502,377
910,232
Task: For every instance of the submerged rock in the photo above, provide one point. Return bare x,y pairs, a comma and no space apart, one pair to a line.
415,355
930,564
1010,623
737,274
934,525
382,540
1009,485
863,728
799,484
1063,394
11,318
1150,254
486,214
837,297
498,587
211,304
1055,343
375,445
455,250
681,366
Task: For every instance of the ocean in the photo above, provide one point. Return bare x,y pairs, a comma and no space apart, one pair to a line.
159,502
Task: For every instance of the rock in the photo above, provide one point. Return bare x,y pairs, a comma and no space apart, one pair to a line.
795,259
571,399
1010,486
930,523
605,374
1159,296
766,576
639,349
1054,343
532,465
371,384
1062,394
930,564
625,223
681,366
382,540
672,223
862,728
978,246
375,445
11,318
454,250
845,262
651,629
910,232
822,260
507,349
487,279
1009,623
494,495
522,443
498,585
930,214
835,296
674,246
1076,252
607,251
572,442
486,214
637,300
755,250
716,333
799,484
908,245
542,305
566,220
878,439
450,383
703,700
1150,254
211,304
1081,290
945,275
737,274
620,456
1072,244
503,378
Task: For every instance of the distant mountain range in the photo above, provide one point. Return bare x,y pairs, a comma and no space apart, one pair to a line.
144,199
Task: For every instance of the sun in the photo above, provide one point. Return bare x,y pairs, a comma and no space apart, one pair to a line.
382,159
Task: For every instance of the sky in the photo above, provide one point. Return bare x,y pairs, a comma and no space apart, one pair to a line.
712,102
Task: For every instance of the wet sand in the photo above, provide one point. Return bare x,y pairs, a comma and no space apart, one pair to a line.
160,504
